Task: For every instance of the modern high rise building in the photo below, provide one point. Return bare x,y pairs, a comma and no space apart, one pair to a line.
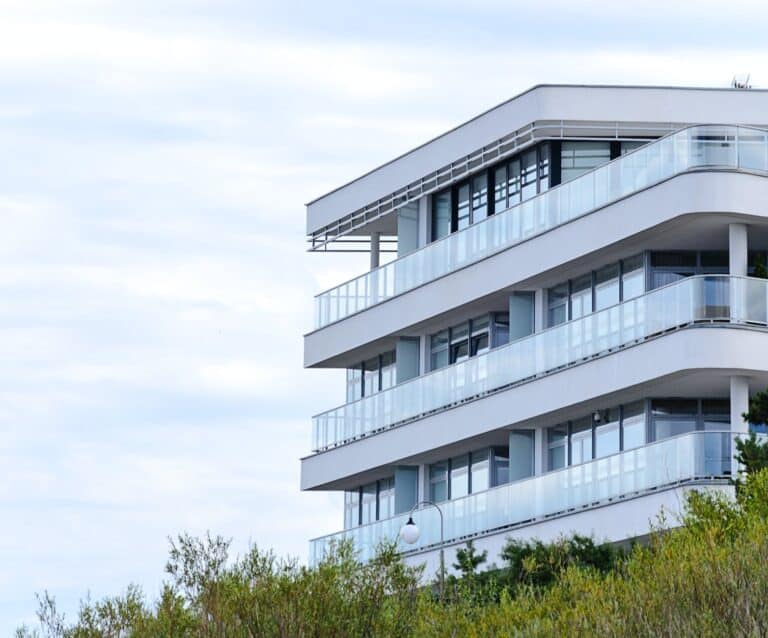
571,329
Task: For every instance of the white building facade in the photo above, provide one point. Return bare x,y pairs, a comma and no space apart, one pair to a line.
571,329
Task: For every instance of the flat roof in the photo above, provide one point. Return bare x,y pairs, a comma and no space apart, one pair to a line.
571,102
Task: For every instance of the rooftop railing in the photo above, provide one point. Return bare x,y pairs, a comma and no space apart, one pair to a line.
684,458
690,149
703,298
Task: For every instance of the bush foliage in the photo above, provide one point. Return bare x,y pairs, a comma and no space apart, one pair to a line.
706,578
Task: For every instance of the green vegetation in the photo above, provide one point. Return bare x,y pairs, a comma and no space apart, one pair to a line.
708,578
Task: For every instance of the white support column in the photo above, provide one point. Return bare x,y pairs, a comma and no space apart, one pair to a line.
375,249
739,403
424,220
737,249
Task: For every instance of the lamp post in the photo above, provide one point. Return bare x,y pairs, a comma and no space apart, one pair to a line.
409,533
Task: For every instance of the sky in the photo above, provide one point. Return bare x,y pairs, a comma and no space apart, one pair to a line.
155,158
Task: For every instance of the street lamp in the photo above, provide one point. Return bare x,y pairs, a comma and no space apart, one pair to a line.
409,533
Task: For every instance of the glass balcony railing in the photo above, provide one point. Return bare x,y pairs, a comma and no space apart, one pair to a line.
697,147
704,298
688,457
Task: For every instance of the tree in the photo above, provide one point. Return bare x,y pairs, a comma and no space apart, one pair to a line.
752,454
761,272
758,409
468,560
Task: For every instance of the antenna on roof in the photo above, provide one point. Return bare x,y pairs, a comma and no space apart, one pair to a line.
741,82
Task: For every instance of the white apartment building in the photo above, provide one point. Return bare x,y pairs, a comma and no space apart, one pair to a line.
571,329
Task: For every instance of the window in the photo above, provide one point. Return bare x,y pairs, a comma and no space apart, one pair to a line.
607,287
368,504
633,425
374,375
579,157
480,475
514,182
439,350
581,296
459,477
716,414
632,277
557,301
438,482
386,498
462,211
354,383
500,456
351,508
671,417
601,288
581,440
557,447
441,215
479,198
668,267
468,339
543,167
607,437
388,370
500,189
500,329
371,375
528,175
628,147
459,343
480,336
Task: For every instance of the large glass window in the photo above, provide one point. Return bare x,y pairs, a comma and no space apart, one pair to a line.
462,210
514,182
671,417
601,288
351,508
481,475
441,215
579,157
439,349
557,447
607,437
386,498
459,343
716,414
354,383
557,301
528,174
500,329
633,425
479,198
438,482
581,440
376,374
468,339
368,504
543,167
581,296
670,266
459,476
632,277
607,287
500,466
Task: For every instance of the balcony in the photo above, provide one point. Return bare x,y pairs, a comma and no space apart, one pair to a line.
695,148
671,462
700,300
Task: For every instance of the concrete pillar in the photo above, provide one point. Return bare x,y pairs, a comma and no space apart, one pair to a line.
375,249
739,403
407,228
737,249
424,220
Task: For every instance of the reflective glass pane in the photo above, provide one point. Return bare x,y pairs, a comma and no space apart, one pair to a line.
463,207
579,157
607,287
480,471
479,198
633,424
459,476
632,278
441,215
